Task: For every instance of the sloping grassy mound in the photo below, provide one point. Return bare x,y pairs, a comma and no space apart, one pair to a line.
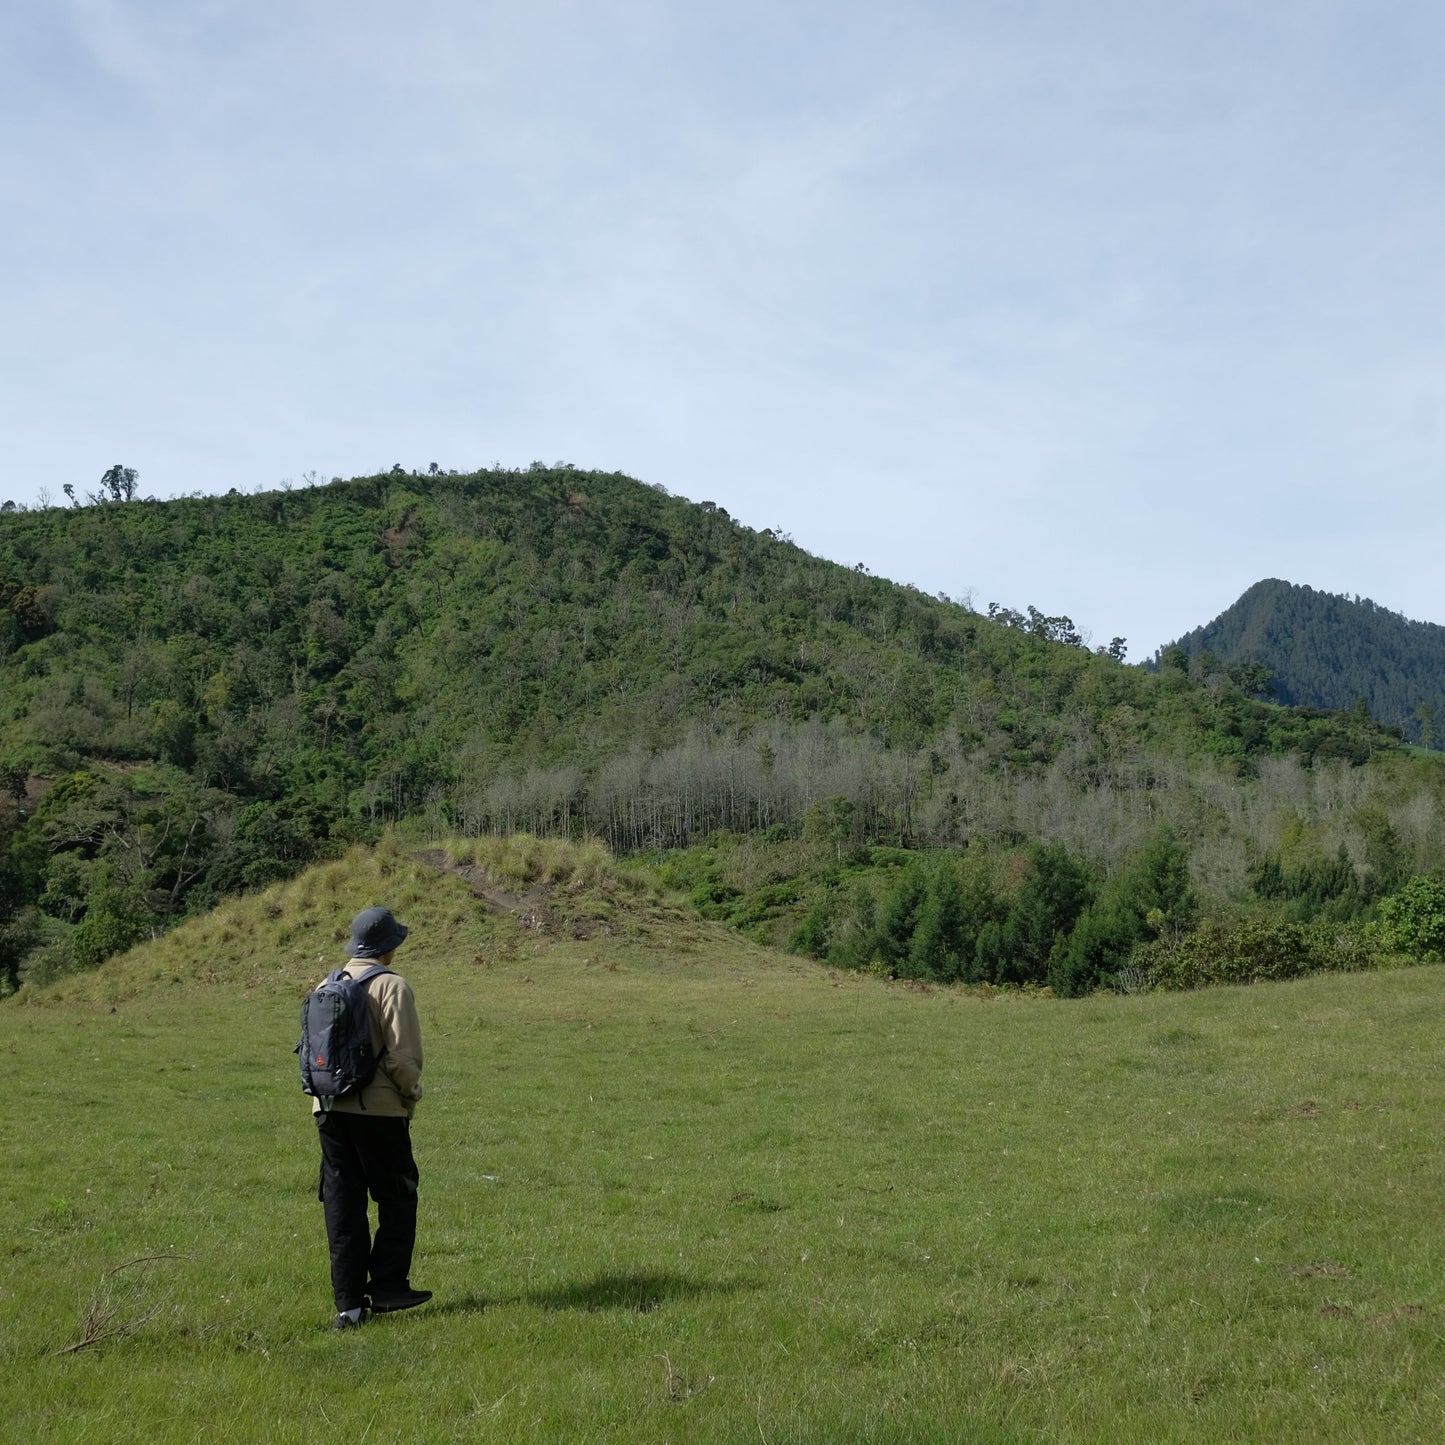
287,936
478,900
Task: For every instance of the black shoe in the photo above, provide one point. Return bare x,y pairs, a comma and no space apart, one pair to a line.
406,1299
343,1321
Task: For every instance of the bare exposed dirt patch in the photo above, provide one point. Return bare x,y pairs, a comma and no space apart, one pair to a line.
485,886
27,798
540,908
1325,1269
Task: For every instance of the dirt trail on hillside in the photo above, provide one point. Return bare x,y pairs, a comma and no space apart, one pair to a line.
484,885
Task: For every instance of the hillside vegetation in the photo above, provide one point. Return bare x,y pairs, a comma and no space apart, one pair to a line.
1329,651
198,697
677,1187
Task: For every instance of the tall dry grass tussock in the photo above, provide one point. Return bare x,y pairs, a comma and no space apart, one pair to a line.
521,860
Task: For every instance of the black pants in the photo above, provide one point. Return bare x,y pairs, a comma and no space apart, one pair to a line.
361,1156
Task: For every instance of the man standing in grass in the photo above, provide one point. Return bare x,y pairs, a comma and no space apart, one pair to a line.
366,1142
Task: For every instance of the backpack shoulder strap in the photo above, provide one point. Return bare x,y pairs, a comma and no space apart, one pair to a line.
361,980
367,974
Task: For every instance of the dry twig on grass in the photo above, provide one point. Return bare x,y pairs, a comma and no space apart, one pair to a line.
677,1386
109,1316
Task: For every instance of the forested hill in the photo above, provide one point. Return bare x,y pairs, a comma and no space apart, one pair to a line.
197,696
1328,651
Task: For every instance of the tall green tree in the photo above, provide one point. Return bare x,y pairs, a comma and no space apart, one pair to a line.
941,937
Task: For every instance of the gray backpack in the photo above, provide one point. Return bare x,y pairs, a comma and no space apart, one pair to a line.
335,1048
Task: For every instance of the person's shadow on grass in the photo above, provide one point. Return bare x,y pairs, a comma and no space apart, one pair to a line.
638,1291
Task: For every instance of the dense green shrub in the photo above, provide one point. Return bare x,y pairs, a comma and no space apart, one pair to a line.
114,919
1253,950
814,933
1413,920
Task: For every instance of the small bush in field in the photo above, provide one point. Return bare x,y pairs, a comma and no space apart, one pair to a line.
1253,950
1413,920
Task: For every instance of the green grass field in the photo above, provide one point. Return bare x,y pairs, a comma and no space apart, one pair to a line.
675,1188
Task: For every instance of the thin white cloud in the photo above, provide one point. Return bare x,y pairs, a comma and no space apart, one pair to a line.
1110,309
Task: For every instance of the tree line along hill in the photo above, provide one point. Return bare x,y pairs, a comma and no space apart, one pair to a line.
199,696
1326,650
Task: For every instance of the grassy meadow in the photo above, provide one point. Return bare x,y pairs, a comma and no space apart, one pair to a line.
677,1188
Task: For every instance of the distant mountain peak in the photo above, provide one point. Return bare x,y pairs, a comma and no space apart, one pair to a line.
1330,650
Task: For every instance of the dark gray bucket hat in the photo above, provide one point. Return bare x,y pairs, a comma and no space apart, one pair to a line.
374,932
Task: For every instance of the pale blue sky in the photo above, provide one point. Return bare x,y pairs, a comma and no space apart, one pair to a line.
1112,309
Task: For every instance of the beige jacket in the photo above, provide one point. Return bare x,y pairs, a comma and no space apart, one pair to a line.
396,1040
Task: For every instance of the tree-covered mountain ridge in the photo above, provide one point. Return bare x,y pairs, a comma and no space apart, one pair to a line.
198,696
1330,650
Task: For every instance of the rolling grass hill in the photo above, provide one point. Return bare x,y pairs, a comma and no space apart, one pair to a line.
676,1187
